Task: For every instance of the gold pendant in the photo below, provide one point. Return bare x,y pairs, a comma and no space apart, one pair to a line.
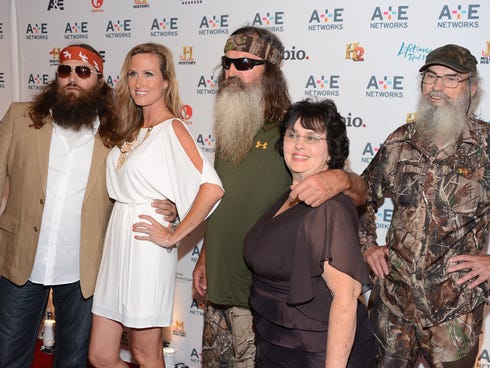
128,147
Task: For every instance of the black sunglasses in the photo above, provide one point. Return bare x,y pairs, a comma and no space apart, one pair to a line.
82,71
240,63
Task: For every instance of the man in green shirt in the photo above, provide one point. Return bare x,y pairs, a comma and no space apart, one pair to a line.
250,105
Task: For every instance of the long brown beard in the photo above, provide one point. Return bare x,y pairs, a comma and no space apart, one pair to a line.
73,111
444,124
239,116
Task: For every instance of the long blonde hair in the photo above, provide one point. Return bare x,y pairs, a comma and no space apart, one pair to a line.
131,114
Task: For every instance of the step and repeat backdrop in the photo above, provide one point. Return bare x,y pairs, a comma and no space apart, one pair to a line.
364,55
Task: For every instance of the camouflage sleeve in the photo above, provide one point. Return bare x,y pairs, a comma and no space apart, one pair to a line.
374,177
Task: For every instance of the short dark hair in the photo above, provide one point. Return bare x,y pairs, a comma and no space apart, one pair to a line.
320,116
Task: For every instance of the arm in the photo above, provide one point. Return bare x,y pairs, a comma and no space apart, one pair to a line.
320,187
375,256
342,317
207,196
478,266
199,280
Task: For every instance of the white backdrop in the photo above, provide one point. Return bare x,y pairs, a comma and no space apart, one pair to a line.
362,54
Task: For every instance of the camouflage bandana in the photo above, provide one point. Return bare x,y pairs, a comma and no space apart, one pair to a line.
254,45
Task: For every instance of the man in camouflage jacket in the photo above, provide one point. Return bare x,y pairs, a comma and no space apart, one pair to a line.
431,275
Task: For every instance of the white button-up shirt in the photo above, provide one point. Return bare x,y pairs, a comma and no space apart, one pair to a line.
58,252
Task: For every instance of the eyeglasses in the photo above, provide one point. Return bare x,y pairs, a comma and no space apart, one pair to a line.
240,63
82,71
291,136
448,80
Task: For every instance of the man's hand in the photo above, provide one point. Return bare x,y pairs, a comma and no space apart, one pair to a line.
166,208
199,280
375,257
320,187
478,267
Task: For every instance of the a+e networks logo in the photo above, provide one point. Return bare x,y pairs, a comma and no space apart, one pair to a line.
56,4
273,21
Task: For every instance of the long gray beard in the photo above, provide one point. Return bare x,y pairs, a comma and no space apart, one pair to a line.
441,125
239,116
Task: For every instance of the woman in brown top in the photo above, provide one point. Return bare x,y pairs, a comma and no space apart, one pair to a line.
308,271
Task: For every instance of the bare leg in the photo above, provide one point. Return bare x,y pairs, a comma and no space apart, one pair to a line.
147,347
105,340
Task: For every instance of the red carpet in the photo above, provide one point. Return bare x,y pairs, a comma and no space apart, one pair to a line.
44,360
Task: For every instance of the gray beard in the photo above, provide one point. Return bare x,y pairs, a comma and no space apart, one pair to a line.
441,125
239,116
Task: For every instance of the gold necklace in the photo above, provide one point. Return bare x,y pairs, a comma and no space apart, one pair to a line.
128,147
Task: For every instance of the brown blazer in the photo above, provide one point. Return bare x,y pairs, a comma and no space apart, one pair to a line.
24,155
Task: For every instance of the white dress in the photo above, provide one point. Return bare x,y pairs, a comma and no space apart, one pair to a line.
136,280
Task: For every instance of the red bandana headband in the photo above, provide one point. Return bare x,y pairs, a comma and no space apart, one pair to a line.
82,54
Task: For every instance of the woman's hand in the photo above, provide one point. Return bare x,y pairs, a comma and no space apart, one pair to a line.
154,231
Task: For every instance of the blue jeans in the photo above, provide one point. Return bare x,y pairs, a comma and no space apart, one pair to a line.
21,311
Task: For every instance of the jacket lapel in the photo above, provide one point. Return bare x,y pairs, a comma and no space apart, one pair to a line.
97,167
43,142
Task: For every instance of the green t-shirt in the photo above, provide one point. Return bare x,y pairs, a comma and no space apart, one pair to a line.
250,189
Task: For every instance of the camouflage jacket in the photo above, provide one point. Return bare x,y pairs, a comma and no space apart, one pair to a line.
441,208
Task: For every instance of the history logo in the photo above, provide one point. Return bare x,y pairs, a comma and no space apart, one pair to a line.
141,4
186,58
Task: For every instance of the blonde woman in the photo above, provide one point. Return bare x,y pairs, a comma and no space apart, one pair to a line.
156,158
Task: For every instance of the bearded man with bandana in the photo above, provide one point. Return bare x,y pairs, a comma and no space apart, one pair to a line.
251,102
52,153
